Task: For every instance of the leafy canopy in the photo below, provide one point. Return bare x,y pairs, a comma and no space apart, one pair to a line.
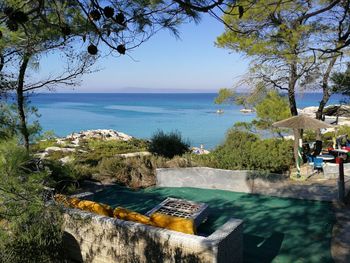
271,109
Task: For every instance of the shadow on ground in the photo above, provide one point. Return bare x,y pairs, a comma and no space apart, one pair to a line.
275,229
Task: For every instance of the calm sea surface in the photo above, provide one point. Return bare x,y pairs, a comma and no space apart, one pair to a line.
140,115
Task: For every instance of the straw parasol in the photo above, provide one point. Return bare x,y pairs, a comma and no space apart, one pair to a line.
301,122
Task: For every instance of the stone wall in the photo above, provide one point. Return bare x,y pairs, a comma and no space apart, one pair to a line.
246,182
98,239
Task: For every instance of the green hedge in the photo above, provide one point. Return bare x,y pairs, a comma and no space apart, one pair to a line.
246,151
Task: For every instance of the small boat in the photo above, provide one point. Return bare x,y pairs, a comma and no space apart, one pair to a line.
246,110
220,111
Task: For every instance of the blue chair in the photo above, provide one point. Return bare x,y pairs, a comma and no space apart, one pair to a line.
310,167
310,159
318,164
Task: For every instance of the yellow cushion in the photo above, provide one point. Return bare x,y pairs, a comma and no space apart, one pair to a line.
179,224
125,214
100,209
73,202
66,201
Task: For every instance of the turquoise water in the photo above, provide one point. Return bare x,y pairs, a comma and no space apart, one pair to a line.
140,115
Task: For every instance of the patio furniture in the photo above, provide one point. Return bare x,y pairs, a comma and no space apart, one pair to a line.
317,148
326,157
310,170
318,164
340,151
310,159
301,122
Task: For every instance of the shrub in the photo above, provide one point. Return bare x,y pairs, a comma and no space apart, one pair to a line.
137,172
110,166
30,231
168,145
246,151
66,177
96,150
134,172
34,236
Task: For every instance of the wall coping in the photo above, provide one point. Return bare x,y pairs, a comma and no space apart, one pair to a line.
210,241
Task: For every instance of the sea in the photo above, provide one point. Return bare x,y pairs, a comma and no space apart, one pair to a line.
194,115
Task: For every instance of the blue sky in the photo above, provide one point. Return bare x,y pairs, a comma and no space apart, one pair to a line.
167,64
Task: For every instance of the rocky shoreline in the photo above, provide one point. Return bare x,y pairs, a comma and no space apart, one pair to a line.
333,114
72,143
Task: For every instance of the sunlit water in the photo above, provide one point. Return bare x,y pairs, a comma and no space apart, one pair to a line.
140,115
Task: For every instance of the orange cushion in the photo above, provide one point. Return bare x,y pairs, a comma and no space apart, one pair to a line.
73,202
100,209
179,224
125,214
66,201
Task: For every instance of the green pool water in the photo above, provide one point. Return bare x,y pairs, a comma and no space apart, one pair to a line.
275,229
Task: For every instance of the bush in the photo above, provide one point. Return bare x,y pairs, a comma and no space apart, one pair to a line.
30,231
137,172
246,151
34,236
96,150
66,177
168,145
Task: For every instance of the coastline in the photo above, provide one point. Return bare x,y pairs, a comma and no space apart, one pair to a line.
141,115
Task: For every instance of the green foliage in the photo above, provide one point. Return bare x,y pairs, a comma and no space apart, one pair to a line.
112,147
41,145
272,108
343,130
341,82
96,150
225,96
244,126
229,96
34,236
93,159
30,231
279,37
270,32
135,172
246,151
168,145
9,121
111,166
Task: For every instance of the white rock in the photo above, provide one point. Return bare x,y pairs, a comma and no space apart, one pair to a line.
311,111
99,134
41,155
60,141
56,149
136,154
66,159
199,151
289,137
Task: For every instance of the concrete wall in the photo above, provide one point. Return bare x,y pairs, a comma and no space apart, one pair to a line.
92,238
246,182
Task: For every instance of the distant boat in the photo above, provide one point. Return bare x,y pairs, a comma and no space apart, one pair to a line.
220,111
246,110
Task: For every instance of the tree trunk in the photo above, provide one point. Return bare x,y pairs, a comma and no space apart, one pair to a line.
21,100
293,105
325,88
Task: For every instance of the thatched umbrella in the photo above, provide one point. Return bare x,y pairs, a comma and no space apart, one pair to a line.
301,122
